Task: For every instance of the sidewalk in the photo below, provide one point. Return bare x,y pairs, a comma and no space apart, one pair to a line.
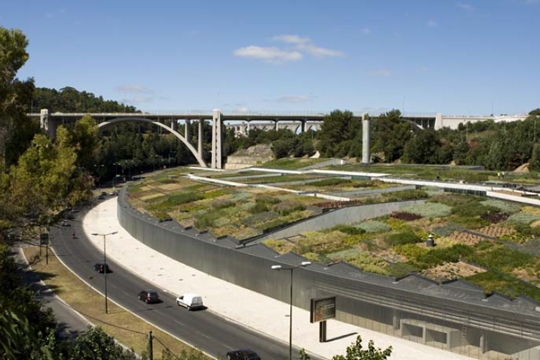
266,315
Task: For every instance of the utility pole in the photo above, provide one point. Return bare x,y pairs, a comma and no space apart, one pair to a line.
150,346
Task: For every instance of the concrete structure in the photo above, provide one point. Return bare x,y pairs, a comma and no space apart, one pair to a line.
295,122
365,139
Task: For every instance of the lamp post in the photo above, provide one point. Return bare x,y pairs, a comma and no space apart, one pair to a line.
105,267
291,269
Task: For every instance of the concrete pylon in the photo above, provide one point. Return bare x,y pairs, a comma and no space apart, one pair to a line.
200,137
216,140
365,139
187,130
47,124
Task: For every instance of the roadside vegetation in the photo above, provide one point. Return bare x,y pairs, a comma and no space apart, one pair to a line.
492,244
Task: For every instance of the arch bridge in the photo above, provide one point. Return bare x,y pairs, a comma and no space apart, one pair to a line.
241,123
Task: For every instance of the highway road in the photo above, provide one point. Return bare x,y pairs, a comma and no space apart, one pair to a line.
204,329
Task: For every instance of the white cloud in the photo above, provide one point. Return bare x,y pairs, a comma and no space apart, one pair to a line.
379,73
318,51
464,6
269,54
295,99
291,39
298,47
366,31
133,88
432,23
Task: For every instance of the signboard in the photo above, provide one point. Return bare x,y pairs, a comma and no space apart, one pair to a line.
323,309
44,239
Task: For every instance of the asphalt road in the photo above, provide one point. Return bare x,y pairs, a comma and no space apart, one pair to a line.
70,323
204,329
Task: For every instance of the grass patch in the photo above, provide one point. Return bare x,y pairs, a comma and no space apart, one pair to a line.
119,323
505,284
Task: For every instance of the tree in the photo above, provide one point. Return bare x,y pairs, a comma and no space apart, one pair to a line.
338,128
534,162
96,344
356,352
16,130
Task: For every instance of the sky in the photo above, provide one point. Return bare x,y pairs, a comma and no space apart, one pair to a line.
467,57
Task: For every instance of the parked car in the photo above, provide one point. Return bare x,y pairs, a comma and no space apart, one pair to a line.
243,354
102,268
190,301
149,296
65,223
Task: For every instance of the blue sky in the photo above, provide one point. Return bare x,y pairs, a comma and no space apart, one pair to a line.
454,57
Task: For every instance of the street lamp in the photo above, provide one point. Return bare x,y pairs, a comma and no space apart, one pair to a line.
291,269
105,266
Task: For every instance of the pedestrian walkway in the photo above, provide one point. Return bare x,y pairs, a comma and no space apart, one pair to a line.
264,314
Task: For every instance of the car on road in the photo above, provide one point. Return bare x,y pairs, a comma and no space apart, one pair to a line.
65,223
190,301
149,296
102,268
243,354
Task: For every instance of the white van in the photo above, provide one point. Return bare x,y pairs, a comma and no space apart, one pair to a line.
190,301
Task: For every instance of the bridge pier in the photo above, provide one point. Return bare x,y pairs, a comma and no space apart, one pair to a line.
216,140
365,139
187,130
47,124
200,138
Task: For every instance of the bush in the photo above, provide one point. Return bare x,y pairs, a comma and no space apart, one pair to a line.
503,206
259,207
331,182
405,195
503,259
429,209
222,204
473,208
505,284
347,229
523,218
373,226
206,220
406,216
495,218
438,256
403,237
286,208
267,199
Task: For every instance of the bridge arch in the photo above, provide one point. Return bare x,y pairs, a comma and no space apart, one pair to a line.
110,123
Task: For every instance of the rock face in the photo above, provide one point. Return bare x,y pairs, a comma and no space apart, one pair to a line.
253,156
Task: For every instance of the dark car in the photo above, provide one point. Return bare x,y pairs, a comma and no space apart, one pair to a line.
149,296
102,268
243,354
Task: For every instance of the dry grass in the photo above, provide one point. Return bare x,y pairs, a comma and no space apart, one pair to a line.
122,325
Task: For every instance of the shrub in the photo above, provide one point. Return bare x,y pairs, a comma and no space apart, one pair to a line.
206,220
438,256
403,237
331,182
288,207
446,230
259,207
406,216
222,204
410,251
473,208
429,209
505,284
495,218
348,229
373,226
504,206
502,258
267,199
523,218
404,195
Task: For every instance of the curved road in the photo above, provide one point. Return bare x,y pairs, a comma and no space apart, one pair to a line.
203,329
